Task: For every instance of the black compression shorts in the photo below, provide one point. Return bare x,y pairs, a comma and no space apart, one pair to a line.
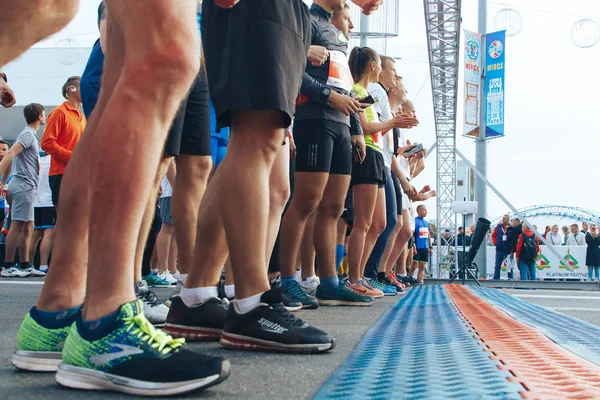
323,146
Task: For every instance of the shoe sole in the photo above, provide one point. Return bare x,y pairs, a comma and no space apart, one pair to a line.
390,294
239,342
193,334
310,306
345,303
293,309
37,361
89,379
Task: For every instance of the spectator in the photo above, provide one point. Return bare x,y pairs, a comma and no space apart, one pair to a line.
592,257
553,237
63,130
44,216
24,160
547,231
585,228
3,153
528,248
565,231
576,238
463,238
502,238
166,244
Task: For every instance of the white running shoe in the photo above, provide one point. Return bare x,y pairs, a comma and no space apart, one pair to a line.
154,310
34,272
175,275
309,285
166,276
14,272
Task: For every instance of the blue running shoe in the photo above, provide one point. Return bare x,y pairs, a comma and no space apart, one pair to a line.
293,291
386,289
342,296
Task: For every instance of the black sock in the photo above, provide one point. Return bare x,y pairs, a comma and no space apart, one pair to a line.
380,276
24,265
8,264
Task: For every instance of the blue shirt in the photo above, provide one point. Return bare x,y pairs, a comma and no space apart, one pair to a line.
90,80
421,233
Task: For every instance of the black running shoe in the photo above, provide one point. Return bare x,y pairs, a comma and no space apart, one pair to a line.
270,327
294,292
221,291
290,304
407,279
203,321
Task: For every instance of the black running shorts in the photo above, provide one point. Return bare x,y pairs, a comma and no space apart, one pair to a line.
44,217
348,214
323,146
190,132
255,55
398,189
422,255
371,171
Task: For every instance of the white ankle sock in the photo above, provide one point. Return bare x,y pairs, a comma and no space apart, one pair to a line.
248,304
402,275
182,277
195,296
229,290
310,278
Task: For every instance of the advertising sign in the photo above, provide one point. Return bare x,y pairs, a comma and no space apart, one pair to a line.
473,65
494,84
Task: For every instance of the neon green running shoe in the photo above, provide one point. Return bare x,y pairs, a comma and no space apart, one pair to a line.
39,348
136,358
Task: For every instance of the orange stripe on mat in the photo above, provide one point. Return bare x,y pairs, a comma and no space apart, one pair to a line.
545,369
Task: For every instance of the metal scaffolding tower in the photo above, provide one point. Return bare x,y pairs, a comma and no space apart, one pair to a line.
442,19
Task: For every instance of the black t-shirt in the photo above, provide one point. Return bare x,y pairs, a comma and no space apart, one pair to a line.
101,13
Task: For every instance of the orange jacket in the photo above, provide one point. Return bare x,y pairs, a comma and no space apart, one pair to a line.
64,127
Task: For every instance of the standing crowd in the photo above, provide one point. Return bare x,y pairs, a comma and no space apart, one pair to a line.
263,177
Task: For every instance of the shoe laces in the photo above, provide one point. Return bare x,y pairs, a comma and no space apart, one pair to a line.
285,315
295,289
150,298
138,325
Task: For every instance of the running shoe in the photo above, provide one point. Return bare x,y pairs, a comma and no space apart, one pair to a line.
342,296
34,272
154,281
290,304
136,358
167,277
155,311
391,280
293,291
38,348
14,272
202,321
371,291
387,290
44,269
270,327
221,291
309,285
407,279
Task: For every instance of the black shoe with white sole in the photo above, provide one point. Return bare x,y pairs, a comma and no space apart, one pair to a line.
203,321
270,327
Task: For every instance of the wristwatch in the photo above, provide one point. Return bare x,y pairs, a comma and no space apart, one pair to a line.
326,92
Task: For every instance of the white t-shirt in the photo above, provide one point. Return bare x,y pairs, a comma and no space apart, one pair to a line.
382,107
43,197
402,161
165,185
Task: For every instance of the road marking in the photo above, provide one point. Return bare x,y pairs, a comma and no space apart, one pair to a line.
574,309
22,283
546,296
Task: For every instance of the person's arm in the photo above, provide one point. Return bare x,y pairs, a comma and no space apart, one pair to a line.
494,235
404,183
7,96
424,196
6,163
519,246
103,34
537,246
54,124
419,167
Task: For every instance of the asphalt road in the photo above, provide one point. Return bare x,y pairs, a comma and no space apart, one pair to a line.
254,375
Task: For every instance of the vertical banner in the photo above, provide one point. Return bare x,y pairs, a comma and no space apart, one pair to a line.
494,84
473,65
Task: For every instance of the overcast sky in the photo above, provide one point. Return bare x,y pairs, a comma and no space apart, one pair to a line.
550,152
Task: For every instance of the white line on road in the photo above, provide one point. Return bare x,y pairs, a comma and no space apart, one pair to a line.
546,296
574,309
22,282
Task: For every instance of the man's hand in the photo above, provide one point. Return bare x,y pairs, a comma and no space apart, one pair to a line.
317,55
433,193
368,6
292,149
404,122
359,141
345,104
431,251
7,96
425,189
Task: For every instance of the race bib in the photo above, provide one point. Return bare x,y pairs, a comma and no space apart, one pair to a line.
504,238
339,71
423,233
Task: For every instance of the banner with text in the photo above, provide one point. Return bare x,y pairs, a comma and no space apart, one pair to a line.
494,84
473,65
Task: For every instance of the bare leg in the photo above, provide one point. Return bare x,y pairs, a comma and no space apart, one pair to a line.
307,248
172,263
228,272
37,235
329,212
12,240
118,203
16,20
308,191
389,247
377,227
190,184
46,246
399,246
163,246
25,241
365,198
279,184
